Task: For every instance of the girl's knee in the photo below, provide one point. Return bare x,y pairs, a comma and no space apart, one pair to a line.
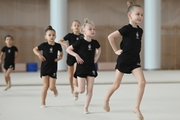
6,75
81,91
52,88
45,87
89,92
116,86
142,83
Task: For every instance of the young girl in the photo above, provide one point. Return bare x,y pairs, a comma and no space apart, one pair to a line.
71,61
128,55
49,60
87,53
11,54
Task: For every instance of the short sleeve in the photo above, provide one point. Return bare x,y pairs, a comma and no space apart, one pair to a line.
66,37
59,47
3,49
97,44
123,30
41,47
141,30
15,49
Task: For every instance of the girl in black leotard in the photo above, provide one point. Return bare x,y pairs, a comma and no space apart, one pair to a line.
128,60
49,59
87,53
11,54
71,61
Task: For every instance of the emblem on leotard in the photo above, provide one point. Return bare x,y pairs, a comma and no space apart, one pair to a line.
10,66
9,50
137,35
77,38
51,50
54,74
89,47
138,64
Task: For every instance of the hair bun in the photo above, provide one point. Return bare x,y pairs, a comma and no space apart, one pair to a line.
86,20
129,3
49,27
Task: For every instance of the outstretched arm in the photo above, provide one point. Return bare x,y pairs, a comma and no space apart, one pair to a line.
62,42
111,38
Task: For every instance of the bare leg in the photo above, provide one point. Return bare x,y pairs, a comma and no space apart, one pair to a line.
90,84
138,74
71,72
8,78
52,84
76,83
75,80
112,89
45,80
81,87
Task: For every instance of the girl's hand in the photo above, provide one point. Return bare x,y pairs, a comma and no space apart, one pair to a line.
118,52
79,59
57,59
42,58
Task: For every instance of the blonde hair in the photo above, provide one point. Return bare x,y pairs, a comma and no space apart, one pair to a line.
131,6
86,21
77,21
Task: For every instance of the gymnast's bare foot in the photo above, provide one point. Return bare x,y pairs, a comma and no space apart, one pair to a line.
106,106
138,113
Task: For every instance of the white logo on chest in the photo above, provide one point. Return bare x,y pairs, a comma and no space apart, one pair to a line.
137,35
89,47
9,50
51,50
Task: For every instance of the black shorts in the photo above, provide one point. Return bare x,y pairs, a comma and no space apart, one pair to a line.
53,75
70,60
9,65
127,67
84,74
49,69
